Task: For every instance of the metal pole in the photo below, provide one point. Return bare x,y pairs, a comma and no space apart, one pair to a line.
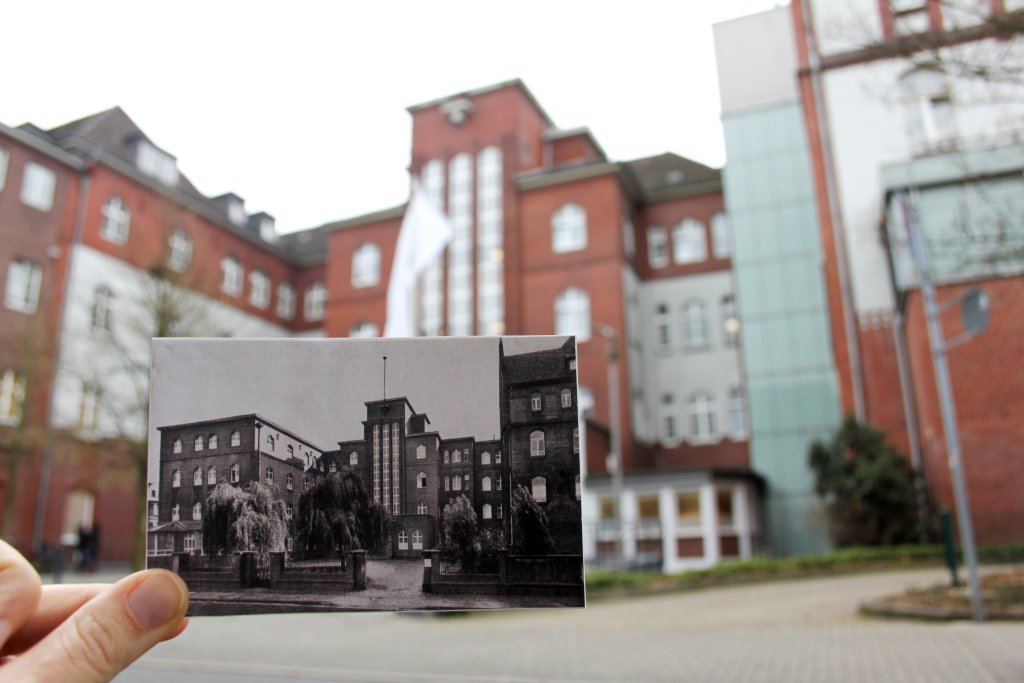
614,428
947,408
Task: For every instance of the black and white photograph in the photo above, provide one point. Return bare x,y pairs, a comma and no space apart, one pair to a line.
370,474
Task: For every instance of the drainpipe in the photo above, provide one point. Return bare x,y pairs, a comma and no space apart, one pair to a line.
46,468
835,218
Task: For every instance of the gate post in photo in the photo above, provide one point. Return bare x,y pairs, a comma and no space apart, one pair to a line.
429,562
247,569
503,566
358,570
276,567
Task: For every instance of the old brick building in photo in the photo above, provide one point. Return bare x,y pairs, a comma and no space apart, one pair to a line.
407,464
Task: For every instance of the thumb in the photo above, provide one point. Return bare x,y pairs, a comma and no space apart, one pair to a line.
107,633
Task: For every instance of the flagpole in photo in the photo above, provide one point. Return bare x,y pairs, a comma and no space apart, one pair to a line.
425,232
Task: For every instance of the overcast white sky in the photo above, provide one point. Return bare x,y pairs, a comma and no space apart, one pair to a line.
300,107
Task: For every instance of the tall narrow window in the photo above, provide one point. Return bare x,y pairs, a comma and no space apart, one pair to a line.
366,265
88,413
175,512
689,243
180,256
663,326
269,475
259,289
485,484
197,476
313,302
234,473
417,540
576,440
487,511
460,249
230,276
537,447
236,438
23,281
175,479
535,402
568,229
485,458
669,418
703,418
421,480
102,302
572,314
431,297
730,322
176,446
12,397
364,328
456,483
721,239
5,158
490,260
737,413
211,475
565,397
421,509
37,186
421,452
211,442
285,301
695,325
116,220
657,246
539,489
289,481
376,463
353,458
197,444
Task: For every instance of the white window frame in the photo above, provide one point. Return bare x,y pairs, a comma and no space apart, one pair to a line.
417,539
176,446
486,512
116,221
565,397
259,288
657,246
689,242
421,509
285,301
353,458
181,248
572,314
536,402
211,441
539,489
696,333
232,275
538,445
313,302
568,229
485,484
197,476
24,280
366,265
702,423
38,184
421,480
12,397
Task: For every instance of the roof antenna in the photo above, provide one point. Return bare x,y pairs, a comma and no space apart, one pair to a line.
385,376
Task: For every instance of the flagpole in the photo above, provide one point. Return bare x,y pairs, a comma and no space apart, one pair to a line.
385,376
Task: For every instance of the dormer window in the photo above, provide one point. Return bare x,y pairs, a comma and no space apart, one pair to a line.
156,163
236,212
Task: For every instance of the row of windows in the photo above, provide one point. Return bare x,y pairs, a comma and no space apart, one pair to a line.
200,442
702,423
417,539
538,442
458,456
197,513
564,400
696,327
38,182
233,274
458,483
689,242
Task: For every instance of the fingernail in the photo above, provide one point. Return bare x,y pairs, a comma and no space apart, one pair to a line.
155,601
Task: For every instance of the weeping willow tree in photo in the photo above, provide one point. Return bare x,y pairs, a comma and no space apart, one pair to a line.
531,532
336,514
459,523
243,520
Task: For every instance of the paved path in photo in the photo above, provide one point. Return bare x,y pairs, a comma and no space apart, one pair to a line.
789,632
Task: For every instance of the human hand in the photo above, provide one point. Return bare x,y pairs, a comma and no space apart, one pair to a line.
83,632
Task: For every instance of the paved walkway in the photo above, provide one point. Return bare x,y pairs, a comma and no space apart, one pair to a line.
789,632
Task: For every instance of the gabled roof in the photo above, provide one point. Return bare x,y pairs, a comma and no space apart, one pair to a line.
669,175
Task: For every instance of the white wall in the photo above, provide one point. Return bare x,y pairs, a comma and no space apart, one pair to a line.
753,71
118,363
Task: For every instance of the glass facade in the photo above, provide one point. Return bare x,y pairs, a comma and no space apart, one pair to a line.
490,295
460,250
786,345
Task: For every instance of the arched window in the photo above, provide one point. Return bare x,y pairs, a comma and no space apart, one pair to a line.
703,417
536,402
572,314
485,484
176,446
364,329
689,242
485,458
175,512
270,475
421,480
568,229
721,240
175,479
197,443
116,219
669,418
417,540
695,325
236,438
211,475
447,456
313,302
102,310
288,481
537,443
456,456
211,442
421,452
180,256
270,441
197,511
231,276
565,397
234,473
486,512
539,489
259,289
366,265
456,483
285,301
663,326
197,476
353,458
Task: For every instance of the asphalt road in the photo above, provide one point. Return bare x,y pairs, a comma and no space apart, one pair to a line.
787,632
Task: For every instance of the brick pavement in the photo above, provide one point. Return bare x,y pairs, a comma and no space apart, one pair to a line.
789,632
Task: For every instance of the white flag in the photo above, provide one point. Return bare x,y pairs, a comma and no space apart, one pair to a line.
425,233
